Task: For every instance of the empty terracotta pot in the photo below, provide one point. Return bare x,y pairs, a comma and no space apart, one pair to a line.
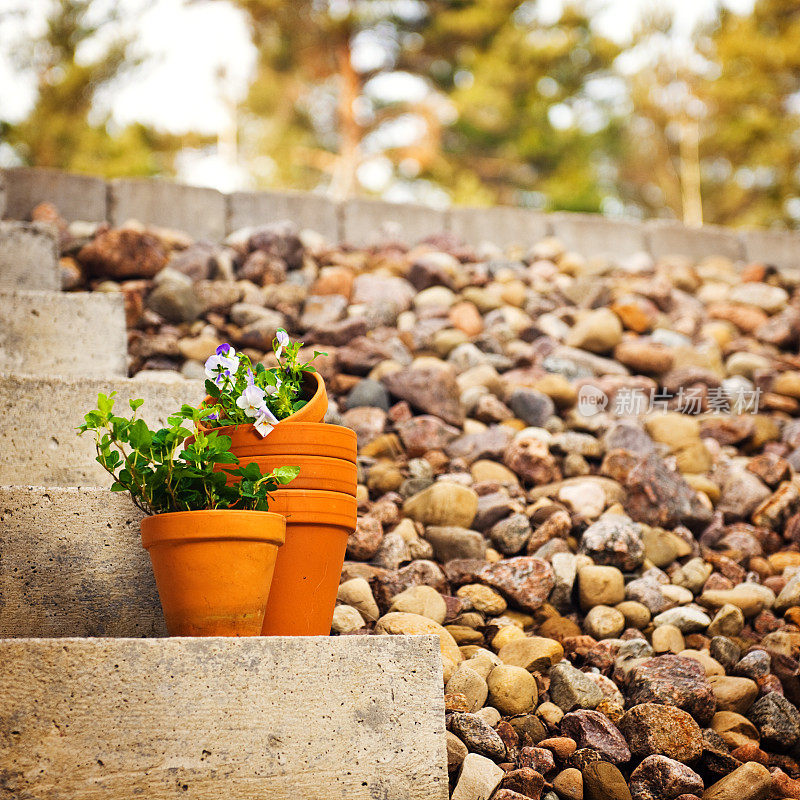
213,569
294,439
316,472
308,566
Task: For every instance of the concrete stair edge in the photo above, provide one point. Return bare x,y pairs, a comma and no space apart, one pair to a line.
317,717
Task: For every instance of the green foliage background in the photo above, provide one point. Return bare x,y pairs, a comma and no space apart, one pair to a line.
517,111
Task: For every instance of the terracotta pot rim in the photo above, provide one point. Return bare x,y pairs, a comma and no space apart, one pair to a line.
269,527
318,396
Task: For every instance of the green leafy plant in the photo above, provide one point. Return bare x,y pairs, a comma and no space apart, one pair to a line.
241,393
163,472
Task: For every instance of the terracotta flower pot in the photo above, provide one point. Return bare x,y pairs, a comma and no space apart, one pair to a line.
313,411
294,439
316,472
308,567
213,569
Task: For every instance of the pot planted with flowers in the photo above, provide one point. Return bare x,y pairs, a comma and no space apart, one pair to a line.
212,543
266,407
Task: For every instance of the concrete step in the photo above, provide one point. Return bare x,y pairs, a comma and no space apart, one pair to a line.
47,333
28,256
269,718
38,442
73,565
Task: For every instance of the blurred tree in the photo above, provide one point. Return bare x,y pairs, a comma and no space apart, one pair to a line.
59,131
486,101
660,173
750,145
310,110
535,122
715,133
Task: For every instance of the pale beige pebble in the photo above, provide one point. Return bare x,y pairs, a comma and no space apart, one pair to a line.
456,751
668,639
506,634
404,624
346,619
469,683
692,575
493,472
604,622
422,600
482,375
751,598
732,693
710,665
788,384
478,779
519,618
473,426
407,530
678,594
735,729
551,714
443,503
751,781
512,690
383,369
356,593
597,331
721,331
492,556
673,429
558,389
746,364
434,297
483,598
534,653
464,634
490,715
728,621
480,664
446,340
704,484
568,784
586,498
662,547
600,585
637,615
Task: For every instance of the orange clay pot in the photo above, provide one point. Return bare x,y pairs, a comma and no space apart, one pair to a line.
313,411
316,472
308,567
213,569
291,439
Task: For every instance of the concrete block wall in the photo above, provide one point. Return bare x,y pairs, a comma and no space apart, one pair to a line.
206,213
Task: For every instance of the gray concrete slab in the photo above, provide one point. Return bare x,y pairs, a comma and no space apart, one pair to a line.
670,238
49,333
306,210
75,196
38,442
502,225
778,248
369,222
73,565
270,718
28,257
595,236
197,211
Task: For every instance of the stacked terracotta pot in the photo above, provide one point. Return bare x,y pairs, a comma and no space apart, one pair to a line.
320,510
